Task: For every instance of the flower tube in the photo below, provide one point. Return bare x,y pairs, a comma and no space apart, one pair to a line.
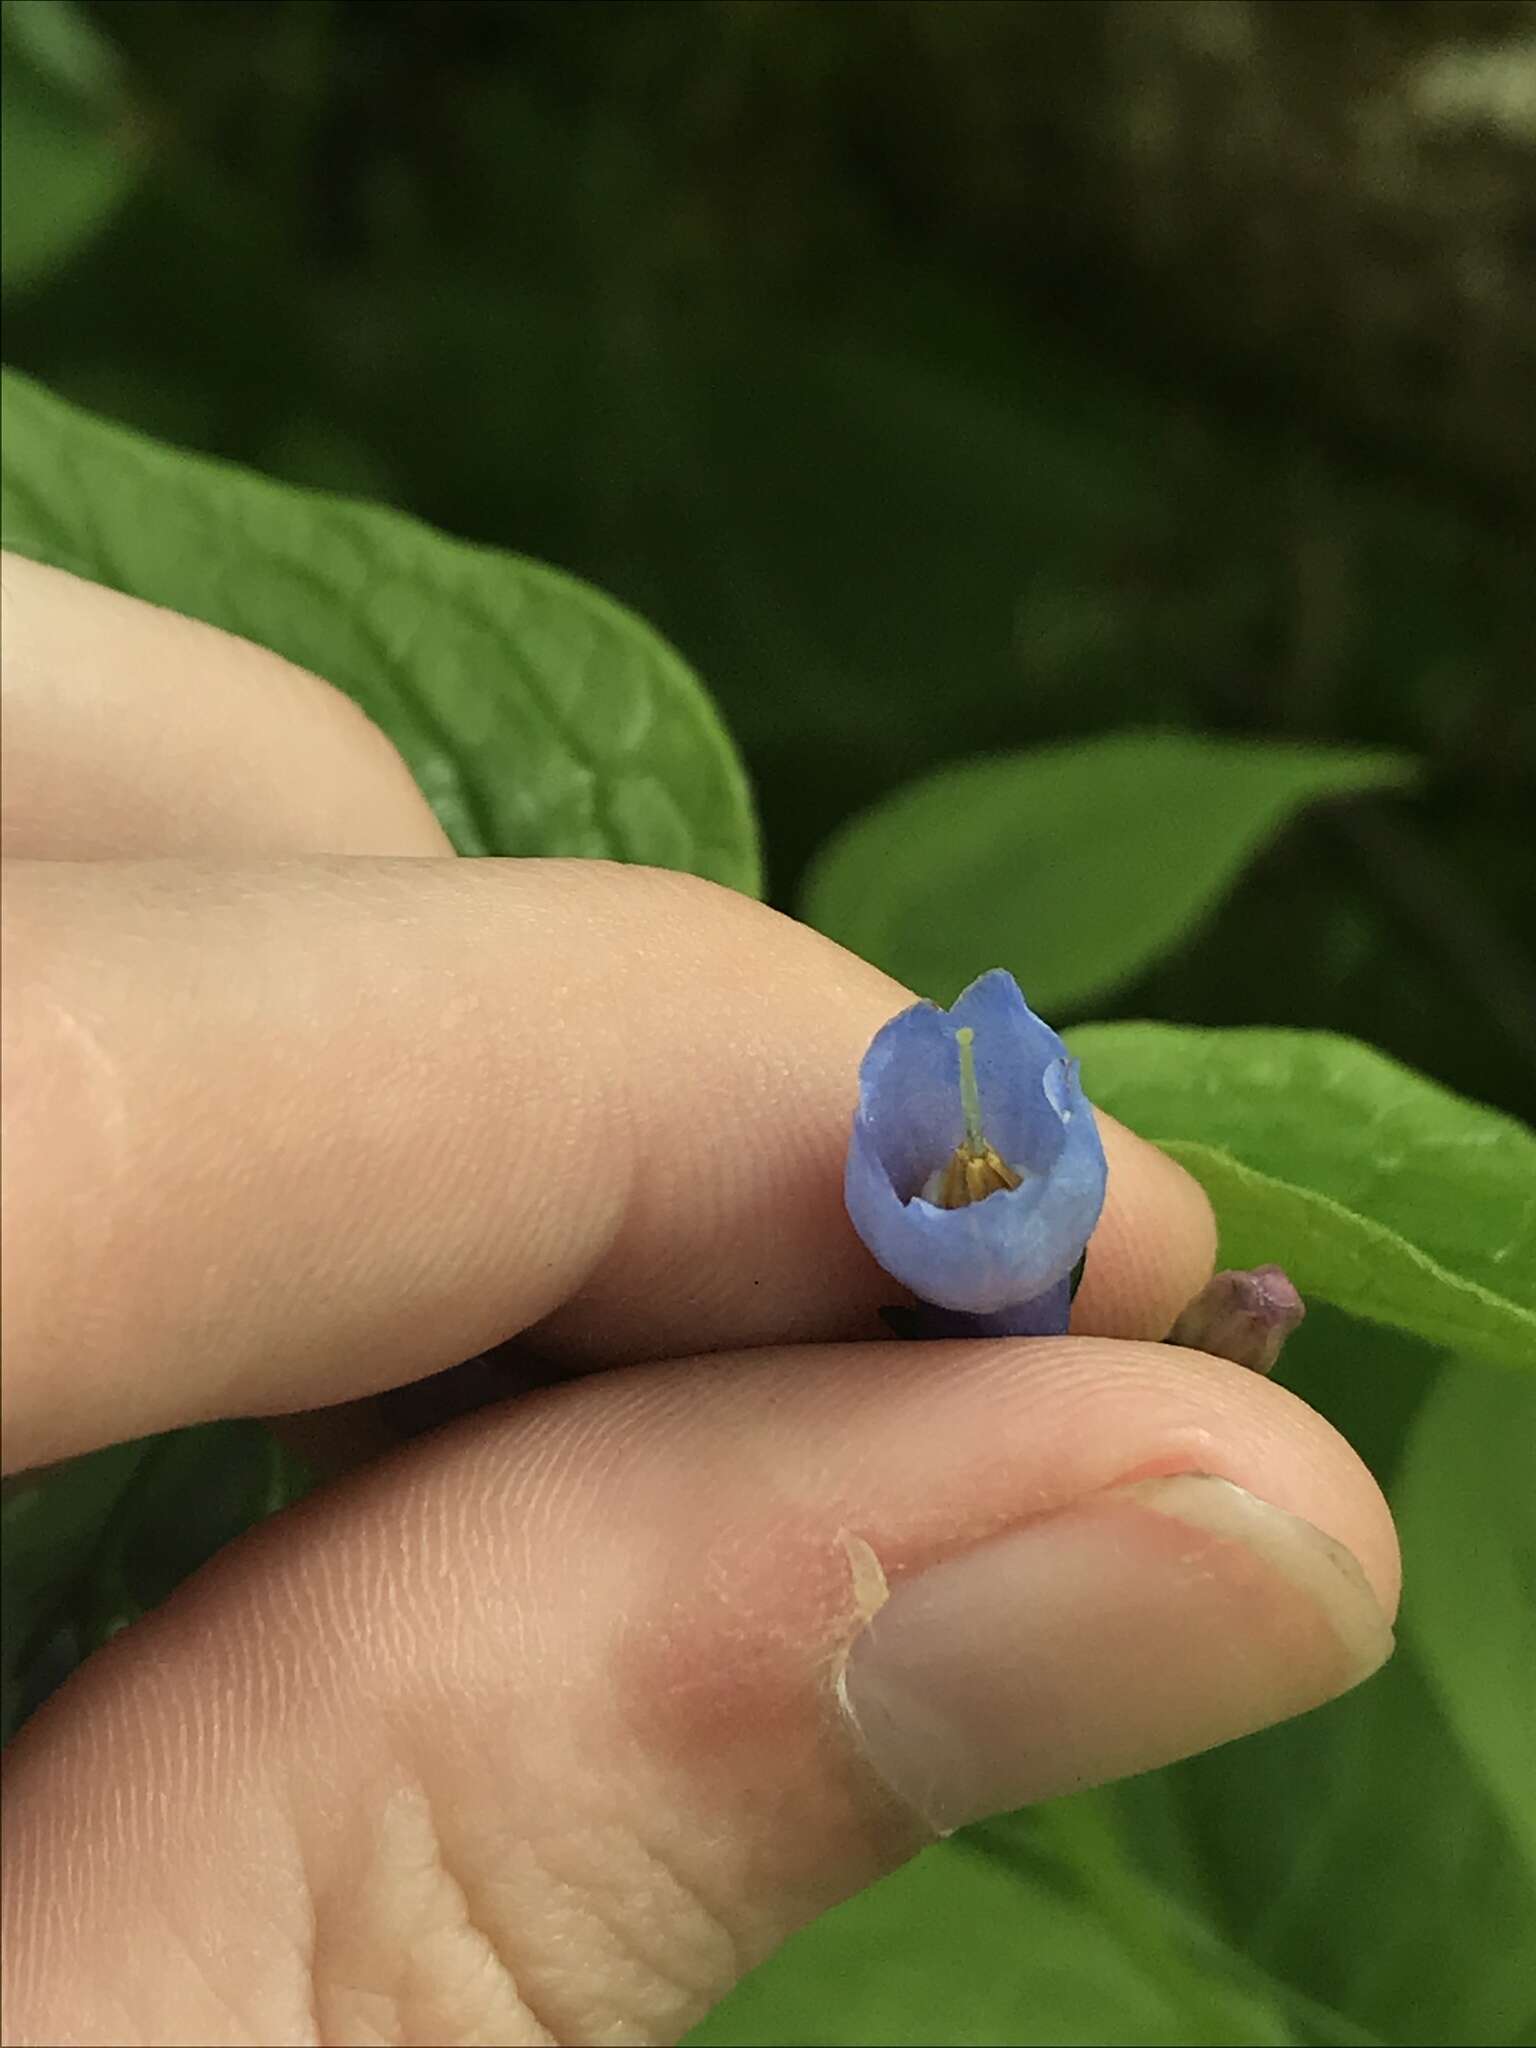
975,1171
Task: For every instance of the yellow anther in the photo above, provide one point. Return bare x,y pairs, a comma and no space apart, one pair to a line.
976,1169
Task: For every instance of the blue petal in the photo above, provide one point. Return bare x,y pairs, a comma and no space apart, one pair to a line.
1007,1249
1018,1244
1012,1045
909,1095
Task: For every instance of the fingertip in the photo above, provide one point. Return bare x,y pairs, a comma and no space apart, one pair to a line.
1269,1441
132,731
1155,1245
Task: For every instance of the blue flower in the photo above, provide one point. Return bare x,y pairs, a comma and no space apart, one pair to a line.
975,1172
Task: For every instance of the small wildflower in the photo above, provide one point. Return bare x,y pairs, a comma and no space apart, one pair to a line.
975,1170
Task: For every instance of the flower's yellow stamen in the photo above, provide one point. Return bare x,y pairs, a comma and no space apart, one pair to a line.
975,1170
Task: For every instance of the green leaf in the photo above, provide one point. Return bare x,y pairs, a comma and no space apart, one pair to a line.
69,154
538,716
1373,1187
1222,1993
971,1948
1074,866
1355,1858
1467,1513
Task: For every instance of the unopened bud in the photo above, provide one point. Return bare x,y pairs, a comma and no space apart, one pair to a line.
1245,1317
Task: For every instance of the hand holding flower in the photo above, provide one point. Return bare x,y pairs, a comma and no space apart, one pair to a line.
547,1724
975,1171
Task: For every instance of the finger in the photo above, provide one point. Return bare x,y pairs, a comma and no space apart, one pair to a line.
1139,1271
129,730
276,1138
555,1724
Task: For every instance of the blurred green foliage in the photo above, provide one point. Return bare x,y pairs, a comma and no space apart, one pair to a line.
537,715
67,150
1077,866
631,290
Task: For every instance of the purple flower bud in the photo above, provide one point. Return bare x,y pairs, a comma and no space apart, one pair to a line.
1245,1317
975,1171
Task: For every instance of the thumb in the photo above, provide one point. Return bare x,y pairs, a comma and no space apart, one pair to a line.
552,1725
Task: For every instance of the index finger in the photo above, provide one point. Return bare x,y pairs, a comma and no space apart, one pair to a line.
281,1136
131,732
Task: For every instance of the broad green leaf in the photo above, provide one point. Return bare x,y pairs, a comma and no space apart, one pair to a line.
1222,1993
969,1949
1466,1507
1074,866
1354,1856
538,716
69,153
1374,1188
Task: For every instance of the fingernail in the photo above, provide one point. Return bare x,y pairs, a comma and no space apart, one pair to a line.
1137,1626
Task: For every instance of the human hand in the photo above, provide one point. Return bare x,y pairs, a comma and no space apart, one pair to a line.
549,1724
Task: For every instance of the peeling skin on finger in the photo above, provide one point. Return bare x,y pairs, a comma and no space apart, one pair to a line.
870,1587
871,1590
